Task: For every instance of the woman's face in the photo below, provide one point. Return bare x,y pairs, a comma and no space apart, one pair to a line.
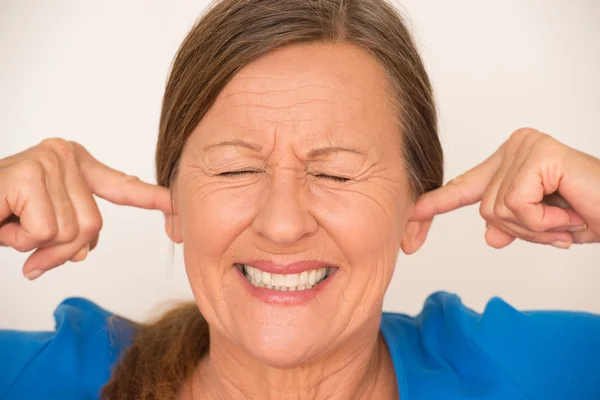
297,172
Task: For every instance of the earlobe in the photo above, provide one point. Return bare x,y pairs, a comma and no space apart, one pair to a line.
173,224
173,228
414,236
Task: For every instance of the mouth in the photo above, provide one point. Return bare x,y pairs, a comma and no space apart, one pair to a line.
301,281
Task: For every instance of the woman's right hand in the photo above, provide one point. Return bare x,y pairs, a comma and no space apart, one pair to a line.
47,202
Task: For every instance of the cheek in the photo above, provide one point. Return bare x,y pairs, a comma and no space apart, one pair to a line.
212,218
366,224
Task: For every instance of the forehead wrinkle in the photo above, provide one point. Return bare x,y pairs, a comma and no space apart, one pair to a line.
309,119
259,87
320,132
263,89
280,98
234,142
236,129
281,107
347,96
291,74
326,108
230,133
325,150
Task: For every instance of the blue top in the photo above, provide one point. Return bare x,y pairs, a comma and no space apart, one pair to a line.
446,352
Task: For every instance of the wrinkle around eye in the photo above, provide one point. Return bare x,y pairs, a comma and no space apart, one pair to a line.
192,188
199,184
379,191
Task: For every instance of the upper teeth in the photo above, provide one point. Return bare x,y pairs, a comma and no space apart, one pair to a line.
301,281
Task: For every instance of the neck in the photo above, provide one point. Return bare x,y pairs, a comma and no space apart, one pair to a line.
359,369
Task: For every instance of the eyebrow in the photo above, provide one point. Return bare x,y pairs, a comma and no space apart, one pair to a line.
334,149
312,154
237,142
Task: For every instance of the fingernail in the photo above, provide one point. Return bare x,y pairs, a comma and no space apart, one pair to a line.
578,228
561,245
36,273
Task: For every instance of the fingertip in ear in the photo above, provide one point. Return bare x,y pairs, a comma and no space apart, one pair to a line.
414,236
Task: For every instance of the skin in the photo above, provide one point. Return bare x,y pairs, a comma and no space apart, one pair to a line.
514,187
292,102
299,107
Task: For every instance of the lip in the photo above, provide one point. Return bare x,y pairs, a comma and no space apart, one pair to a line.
272,296
293,268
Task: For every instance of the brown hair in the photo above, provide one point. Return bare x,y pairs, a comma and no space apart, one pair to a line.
230,35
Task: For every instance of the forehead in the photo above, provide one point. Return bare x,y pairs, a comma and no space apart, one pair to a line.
319,92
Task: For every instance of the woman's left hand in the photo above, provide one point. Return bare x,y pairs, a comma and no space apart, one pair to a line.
518,187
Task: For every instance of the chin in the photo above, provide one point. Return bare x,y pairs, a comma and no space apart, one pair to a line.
282,329
283,336
283,348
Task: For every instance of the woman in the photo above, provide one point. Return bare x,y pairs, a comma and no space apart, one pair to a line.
298,153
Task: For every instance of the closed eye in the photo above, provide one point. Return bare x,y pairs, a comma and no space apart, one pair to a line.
238,173
332,177
322,176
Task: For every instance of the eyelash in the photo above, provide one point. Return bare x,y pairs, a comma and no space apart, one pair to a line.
324,176
237,173
333,178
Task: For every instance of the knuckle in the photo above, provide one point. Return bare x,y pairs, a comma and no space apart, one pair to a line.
129,178
457,181
543,143
486,211
47,232
500,211
512,200
48,159
460,188
68,232
29,171
60,147
91,225
522,133
75,146
57,144
520,137
69,150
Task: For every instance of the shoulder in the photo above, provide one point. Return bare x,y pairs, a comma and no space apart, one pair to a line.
531,354
74,361
551,354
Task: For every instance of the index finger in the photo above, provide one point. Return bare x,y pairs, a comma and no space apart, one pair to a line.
120,188
462,191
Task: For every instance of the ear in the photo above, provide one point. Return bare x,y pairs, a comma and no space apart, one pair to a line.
173,222
414,236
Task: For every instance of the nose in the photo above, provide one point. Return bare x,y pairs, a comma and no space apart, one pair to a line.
284,217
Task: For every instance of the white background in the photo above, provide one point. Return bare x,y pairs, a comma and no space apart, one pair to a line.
94,71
